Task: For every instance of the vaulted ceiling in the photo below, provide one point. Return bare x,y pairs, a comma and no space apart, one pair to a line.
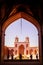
31,7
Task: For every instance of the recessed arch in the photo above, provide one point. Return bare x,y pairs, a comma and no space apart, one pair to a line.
27,17
21,51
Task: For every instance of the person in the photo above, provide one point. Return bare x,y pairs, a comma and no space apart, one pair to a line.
31,56
8,54
20,56
37,56
12,56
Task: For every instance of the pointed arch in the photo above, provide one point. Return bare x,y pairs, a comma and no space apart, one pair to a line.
21,49
27,17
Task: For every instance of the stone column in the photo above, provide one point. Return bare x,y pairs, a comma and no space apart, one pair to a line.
2,45
40,43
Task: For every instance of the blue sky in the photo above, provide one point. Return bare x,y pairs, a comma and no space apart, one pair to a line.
21,28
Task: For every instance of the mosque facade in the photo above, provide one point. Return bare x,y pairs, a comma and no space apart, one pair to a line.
24,48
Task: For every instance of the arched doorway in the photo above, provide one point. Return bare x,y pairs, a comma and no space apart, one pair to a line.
15,17
21,49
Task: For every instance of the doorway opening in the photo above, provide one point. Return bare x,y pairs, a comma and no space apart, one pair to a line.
27,34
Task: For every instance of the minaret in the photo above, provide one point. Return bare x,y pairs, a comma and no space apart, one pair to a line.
27,39
16,39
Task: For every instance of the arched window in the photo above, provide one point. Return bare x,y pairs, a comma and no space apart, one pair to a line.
15,45
24,25
15,52
26,45
26,52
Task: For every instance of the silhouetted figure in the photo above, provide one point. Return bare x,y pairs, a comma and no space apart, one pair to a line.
37,56
8,54
20,56
12,56
31,56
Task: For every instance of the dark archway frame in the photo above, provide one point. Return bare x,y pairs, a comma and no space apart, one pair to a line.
30,19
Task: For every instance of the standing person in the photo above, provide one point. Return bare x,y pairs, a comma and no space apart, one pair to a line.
31,56
37,56
12,54
20,56
8,54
